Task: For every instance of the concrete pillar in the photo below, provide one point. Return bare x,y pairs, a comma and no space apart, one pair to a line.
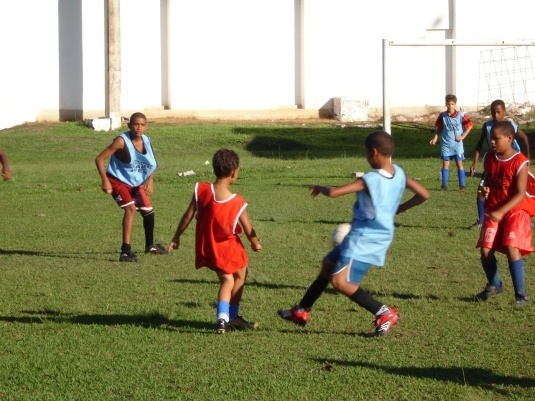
113,60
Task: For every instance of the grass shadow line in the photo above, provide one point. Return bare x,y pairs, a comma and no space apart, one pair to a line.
251,282
484,378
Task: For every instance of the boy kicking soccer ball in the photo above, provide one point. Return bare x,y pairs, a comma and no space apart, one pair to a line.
379,195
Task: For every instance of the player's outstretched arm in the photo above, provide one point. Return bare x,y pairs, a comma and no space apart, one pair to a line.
335,192
420,196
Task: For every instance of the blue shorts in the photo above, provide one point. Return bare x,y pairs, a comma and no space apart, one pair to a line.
355,269
459,157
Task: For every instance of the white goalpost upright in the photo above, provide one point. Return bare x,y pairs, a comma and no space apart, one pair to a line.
446,42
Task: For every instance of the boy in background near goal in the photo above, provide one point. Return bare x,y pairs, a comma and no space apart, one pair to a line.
129,179
453,127
379,194
498,111
221,217
4,161
507,224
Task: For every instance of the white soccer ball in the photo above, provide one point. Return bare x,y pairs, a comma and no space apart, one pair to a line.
339,233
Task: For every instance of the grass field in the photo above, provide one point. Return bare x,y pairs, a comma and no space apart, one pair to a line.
75,324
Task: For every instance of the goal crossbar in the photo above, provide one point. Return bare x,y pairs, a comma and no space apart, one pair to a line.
422,42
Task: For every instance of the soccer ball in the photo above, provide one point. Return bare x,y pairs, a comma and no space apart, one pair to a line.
339,233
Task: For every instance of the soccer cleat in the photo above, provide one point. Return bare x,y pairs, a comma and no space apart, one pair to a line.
383,323
462,188
489,291
475,226
222,326
297,315
521,300
239,323
156,249
128,257
443,188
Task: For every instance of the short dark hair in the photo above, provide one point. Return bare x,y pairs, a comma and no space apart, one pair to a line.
137,115
224,162
497,102
450,98
382,141
504,127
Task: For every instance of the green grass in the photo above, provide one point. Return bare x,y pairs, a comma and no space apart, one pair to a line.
75,324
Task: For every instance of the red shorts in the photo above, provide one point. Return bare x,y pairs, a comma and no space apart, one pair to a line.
513,231
125,195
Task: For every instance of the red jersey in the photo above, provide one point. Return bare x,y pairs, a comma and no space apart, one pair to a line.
499,177
217,244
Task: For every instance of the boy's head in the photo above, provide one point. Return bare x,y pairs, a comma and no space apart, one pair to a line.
497,109
137,123
381,141
451,103
224,162
502,135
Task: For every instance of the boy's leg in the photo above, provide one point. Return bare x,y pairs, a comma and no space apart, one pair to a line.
226,283
346,279
461,174
237,321
123,195
299,314
445,174
516,269
147,212
494,285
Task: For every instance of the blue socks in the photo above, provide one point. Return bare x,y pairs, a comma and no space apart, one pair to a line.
516,268
445,176
234,311
223,310
462,178
491,271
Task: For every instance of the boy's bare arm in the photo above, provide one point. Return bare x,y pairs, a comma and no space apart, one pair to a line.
100,161
420,196
250,232
335,192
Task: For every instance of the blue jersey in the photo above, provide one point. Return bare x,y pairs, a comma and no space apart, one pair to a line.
372,228
488,126
141,165
451,127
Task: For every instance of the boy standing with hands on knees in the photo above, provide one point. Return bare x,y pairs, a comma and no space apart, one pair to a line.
129,179
221,217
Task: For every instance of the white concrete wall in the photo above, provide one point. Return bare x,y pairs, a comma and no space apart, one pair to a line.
241,54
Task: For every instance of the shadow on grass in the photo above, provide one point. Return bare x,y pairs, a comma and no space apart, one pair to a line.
153,320
484,378
251,282
309,142
78,255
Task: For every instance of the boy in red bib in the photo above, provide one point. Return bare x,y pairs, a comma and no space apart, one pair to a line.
507,224
221,216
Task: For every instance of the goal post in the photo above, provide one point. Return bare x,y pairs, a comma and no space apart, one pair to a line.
387,43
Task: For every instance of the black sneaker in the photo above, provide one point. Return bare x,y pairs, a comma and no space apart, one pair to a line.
489,291
128,257
443,188
156,249
221,326
462,188
521,300
239,323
